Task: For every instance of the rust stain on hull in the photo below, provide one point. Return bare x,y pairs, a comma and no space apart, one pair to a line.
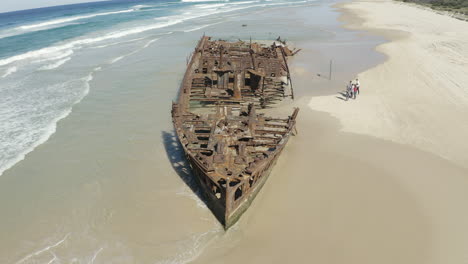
230,147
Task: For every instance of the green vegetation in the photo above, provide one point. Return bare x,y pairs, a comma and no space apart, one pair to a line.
455,6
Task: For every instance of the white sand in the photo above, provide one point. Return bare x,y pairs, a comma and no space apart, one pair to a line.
419,96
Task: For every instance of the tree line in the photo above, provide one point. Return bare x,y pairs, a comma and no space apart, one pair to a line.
459,6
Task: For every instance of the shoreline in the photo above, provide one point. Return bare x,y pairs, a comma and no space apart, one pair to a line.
417,92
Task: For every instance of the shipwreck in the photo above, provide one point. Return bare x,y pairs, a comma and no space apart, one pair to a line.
229,140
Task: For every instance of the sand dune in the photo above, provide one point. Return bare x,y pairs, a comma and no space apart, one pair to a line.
419,96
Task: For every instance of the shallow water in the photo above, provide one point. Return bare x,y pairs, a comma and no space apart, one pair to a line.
111,185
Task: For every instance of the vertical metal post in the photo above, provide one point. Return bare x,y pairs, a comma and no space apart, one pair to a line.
330,75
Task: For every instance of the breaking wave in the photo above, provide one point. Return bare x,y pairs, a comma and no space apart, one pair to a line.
19,137
70,19
55,56
44,53
141,7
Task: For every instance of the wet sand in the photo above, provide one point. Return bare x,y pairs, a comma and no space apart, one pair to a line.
341,193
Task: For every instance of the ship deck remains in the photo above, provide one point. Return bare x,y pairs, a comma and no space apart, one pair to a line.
231,147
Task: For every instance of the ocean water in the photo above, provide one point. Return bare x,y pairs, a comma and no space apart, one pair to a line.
40,74
90,170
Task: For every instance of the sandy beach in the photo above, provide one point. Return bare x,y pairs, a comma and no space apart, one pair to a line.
419,96
382,179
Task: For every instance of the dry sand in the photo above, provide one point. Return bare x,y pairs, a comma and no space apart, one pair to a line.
392,191
419,96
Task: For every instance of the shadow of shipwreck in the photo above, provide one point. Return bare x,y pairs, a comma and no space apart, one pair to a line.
176,156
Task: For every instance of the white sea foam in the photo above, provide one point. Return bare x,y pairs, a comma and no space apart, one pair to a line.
128,41
200,27
147,44
187,192
196,28
39,252
203,6
58,50
18,30
54,258
117,43
95,255
69,19
195,1
55,65
243,3
139,7
169,21
194,246
116,59
26,139
10,71
55,56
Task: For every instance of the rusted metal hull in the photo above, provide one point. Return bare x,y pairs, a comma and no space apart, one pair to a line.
230,148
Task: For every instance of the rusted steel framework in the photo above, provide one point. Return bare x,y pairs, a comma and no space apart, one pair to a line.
230,147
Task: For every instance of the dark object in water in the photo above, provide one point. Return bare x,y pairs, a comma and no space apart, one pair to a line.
230,147
244,25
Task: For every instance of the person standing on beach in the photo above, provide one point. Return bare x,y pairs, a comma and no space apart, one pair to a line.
357,84
349,90
354,90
